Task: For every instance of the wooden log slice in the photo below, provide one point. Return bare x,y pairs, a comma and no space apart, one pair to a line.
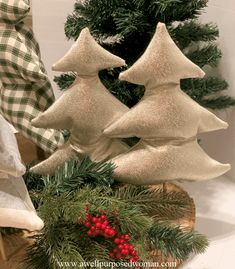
188,221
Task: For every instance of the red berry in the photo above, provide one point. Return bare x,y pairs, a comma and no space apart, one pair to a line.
111,233
119,255
131,247
88,216
120,246
90,233
98,225
136,258
111,255
93,228
132,260
103,217
105,223
97,231
127,237
94,219
107,231
103,227
87,223
126,246
116,250
116,240
124,252
122,241
133,252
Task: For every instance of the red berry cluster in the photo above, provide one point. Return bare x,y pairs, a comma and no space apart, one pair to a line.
123,250
101,226
98,226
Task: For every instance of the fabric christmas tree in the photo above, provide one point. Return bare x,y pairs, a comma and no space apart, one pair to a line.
166,119
86,108
26,90
16,208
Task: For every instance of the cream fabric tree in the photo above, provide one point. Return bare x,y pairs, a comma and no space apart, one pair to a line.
86,108
166,120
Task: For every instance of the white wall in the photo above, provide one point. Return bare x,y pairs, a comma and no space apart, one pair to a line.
49,27
48,23
221,145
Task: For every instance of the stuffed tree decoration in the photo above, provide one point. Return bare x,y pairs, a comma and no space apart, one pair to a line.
26,90
166,120
86,108
16,208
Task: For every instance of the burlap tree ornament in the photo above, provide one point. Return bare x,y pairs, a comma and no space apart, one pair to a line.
16,208
25,88
166,120
86,108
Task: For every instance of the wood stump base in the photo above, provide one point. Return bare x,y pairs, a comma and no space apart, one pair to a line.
187,221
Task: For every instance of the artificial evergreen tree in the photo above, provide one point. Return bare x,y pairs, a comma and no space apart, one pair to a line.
125,29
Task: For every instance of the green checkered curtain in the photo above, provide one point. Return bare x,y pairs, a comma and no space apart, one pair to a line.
25,88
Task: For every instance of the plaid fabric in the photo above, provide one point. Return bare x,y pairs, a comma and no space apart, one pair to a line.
26,90
14,10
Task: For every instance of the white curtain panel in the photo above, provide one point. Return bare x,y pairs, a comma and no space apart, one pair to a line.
16,208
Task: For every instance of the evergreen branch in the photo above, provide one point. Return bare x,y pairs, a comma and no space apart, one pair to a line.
157,203
35,186
65,240
33,182
176,242
109,40
49,202
175,10
97,15
130,218
76,174
192,31
64,81
133,222
57,243
220,102
127,93
74,25
208,55
129,22
200,88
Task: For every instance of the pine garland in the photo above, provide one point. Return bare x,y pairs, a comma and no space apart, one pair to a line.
137,210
